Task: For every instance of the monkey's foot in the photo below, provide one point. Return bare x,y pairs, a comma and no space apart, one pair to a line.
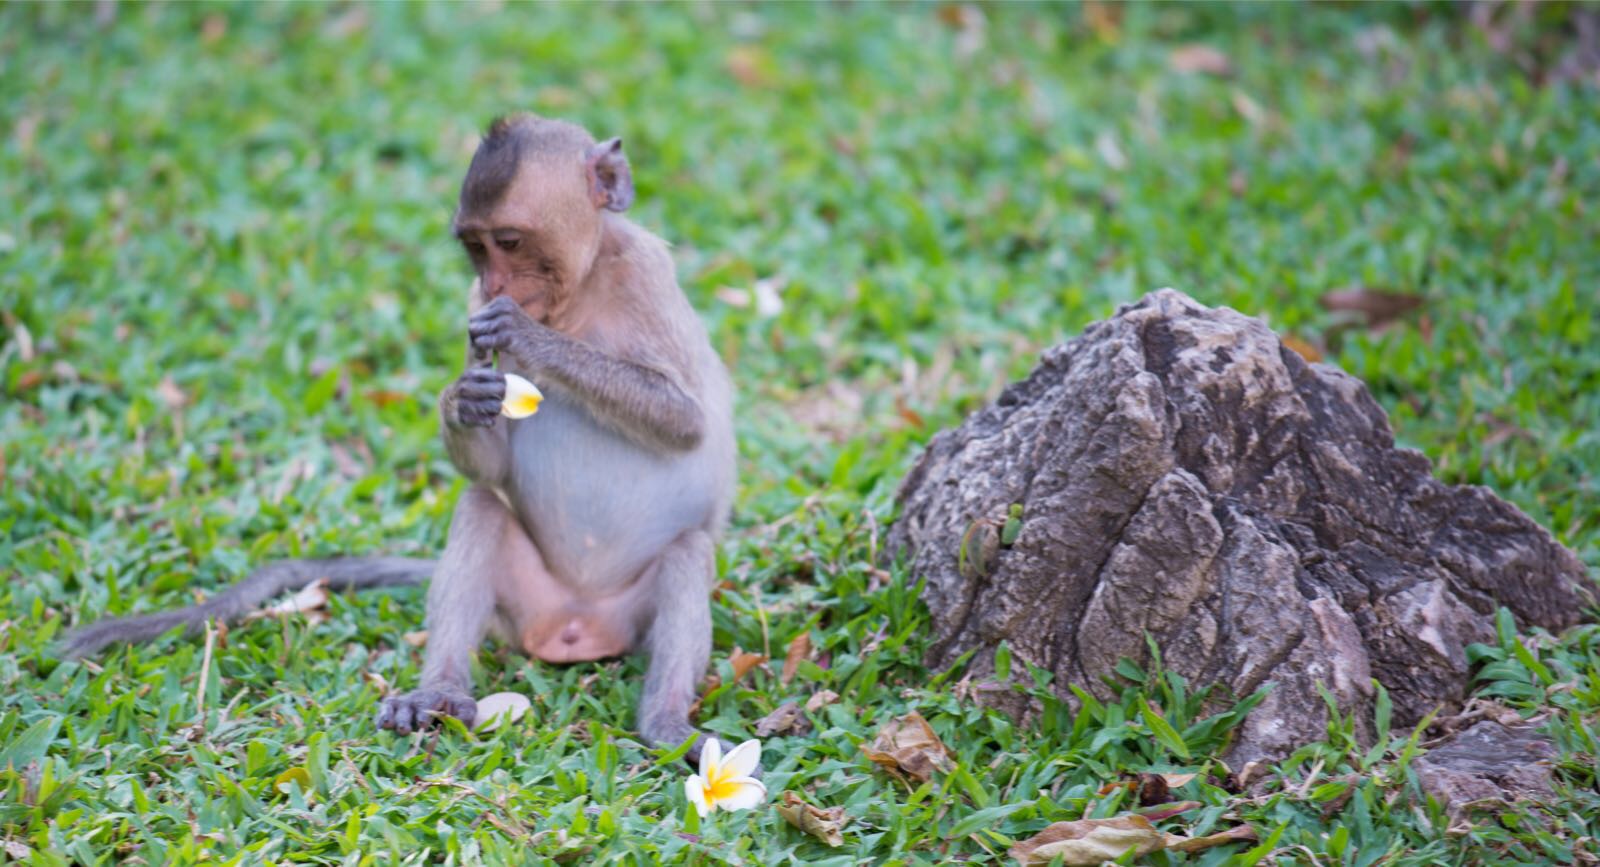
417,709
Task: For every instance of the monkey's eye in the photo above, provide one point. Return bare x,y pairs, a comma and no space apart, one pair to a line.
474,248
507,244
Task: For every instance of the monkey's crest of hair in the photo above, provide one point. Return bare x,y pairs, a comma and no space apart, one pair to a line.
509,142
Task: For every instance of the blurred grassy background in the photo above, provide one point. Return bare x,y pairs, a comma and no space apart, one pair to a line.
229,299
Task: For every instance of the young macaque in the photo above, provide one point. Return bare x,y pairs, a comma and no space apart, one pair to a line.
589,528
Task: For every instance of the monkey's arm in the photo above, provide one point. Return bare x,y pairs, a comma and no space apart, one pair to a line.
474,433
638,400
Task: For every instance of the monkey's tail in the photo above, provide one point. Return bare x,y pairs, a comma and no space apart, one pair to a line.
341,573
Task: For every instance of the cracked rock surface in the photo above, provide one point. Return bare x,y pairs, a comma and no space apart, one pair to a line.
1181,473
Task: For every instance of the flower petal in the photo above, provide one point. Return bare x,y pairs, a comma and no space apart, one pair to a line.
522,397
747,793
741,761
710,758
695,788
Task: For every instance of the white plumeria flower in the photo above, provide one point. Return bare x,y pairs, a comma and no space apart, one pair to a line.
725,781
522,397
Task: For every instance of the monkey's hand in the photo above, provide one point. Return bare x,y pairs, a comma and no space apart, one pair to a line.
502,326
415,710
474,400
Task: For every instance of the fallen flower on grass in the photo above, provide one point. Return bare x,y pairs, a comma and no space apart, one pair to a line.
724,781
501,708
522,397
310,600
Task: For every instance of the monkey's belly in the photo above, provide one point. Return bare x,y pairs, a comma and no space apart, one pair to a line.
576,634
599,507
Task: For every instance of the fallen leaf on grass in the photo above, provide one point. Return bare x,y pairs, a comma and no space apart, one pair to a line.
908,744
1095,841
1167,811
310,600
416,639
385,397
824,824
1302,347
799,649
818,699
1190,59
1157,788
501,708
785,719
750,65
171,394
742,661
1239,834
1090,841
1377,305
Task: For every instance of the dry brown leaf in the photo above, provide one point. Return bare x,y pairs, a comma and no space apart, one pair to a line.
785,719
824,824
818,699
968,21
750,65
1104,18
1157,788
908,744
1377,305
24,339
1166,811
348,24
1249,109
799,649
742,661
171,395
1239,834
213,28
1090,841
1302,348
308,600
416,639
385,397
1196,58
707,686
378,681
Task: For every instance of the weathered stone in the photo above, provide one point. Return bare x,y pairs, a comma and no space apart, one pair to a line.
1182,474
1488,762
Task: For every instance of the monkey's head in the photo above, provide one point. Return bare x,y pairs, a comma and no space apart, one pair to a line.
532,208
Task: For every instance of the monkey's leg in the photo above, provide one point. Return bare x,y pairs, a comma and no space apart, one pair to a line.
485,540
678,640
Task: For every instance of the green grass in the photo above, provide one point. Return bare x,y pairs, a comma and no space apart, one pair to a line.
250,204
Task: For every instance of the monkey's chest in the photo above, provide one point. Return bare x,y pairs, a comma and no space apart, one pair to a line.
597,505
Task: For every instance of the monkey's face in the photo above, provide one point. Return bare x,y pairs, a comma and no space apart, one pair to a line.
538,242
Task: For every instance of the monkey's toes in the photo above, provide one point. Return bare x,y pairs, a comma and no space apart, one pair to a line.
418,709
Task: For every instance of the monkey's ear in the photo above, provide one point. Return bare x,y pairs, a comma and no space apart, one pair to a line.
610,179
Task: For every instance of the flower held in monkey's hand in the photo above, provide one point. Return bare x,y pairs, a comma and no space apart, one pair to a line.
725,781
522,397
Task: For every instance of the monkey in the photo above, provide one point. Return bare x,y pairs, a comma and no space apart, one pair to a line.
589,529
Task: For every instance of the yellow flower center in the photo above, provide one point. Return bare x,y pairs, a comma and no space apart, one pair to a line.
719,785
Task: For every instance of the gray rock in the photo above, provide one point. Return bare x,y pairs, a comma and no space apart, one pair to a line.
1488,762
1181,473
